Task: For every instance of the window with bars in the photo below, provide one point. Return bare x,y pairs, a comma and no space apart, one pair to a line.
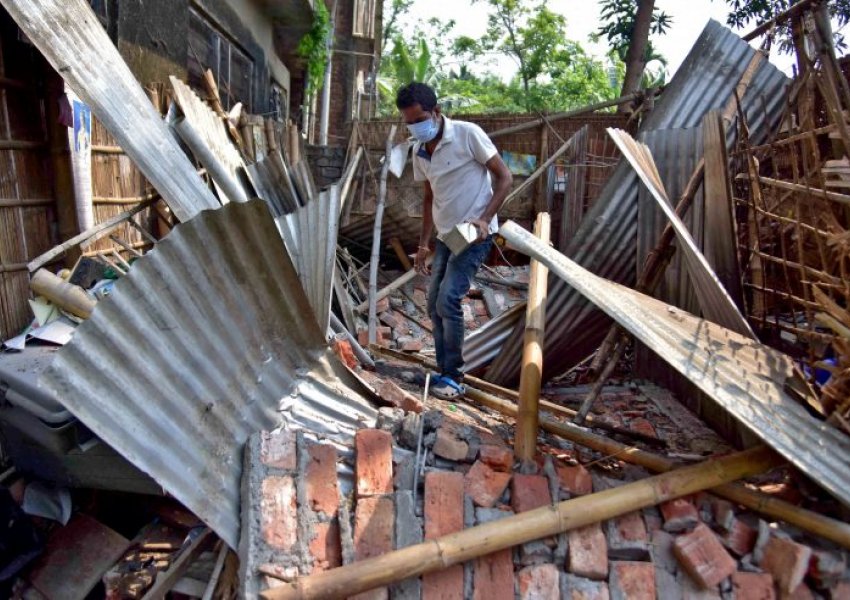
233,69
364,19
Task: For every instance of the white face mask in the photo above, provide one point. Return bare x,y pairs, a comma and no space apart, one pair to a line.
425,131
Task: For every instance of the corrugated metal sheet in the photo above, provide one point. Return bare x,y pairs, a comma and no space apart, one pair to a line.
273,181
742,375
605,242
715,302
398,222
203,343
310,234
72,39
203,131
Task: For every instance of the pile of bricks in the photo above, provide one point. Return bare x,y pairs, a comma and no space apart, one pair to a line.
299,517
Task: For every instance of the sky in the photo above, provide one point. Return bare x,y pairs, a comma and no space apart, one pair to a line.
689,18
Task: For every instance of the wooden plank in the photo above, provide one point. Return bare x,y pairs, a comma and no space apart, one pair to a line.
98,231
71,38
165,580
719,226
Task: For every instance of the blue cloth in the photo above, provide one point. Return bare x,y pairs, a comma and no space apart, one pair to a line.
451,277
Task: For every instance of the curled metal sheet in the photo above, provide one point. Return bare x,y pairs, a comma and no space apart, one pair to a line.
745,377
273,181
606,239
201,344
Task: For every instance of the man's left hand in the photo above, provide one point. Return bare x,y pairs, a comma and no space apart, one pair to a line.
483,228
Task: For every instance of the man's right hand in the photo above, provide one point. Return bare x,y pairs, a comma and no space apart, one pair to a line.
419,263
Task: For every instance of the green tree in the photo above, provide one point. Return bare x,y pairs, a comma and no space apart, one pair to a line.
393,11
752,13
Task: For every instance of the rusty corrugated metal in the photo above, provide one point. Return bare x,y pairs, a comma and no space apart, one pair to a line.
203,343
606,240
746,378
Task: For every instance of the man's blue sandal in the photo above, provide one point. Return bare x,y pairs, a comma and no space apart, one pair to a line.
446,388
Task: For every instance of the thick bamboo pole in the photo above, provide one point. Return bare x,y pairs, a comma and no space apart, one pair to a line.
531,374
65,295
441,553
826,527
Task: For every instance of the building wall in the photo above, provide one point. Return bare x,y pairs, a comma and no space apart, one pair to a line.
152,36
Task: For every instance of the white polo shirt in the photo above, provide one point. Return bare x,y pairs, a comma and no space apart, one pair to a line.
457,174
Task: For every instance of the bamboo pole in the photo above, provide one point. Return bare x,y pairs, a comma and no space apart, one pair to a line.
66,296
825,527
531,374
456,548
569,145
384,292
565,115
376,238
400,253
92,234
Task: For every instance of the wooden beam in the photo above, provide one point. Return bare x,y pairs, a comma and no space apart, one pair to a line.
71,38
441,553
531,374
797,187
96,232
165,580
400,253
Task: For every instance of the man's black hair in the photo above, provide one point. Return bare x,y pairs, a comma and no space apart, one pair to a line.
416,93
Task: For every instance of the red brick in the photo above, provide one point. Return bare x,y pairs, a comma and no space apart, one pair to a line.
381,338
397,397
529,492
374,462
632,580
277,449
575,480
278,512
393,320
498,458
740,538
840,591
322,487
409,344
539,582
374,520
484,485
787,561
631,527
641,425
588,552
342,348
449,446
679,515
420,299
382,305
703,556
443,515
325,547
481,309
494,576
753,586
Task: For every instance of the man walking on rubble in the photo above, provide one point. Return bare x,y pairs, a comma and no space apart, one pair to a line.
465,181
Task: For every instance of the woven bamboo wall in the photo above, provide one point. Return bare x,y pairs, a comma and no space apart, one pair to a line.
27,205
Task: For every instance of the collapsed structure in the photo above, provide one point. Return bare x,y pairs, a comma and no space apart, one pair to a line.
232,363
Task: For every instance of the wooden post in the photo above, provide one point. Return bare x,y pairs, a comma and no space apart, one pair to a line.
540,204
456,548
400,253
65,295
831,529
376,238
532,354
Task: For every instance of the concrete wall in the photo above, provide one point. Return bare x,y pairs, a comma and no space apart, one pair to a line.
152,37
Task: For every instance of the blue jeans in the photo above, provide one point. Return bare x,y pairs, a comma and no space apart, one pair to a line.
451,277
